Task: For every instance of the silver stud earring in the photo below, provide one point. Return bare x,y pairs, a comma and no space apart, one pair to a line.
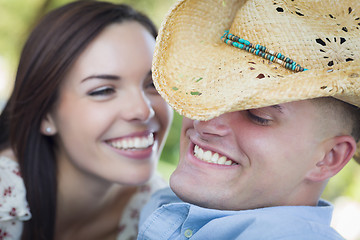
48,129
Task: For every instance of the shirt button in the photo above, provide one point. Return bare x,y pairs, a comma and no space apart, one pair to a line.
188,233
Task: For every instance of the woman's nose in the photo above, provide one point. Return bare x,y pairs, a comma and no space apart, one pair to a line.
138,108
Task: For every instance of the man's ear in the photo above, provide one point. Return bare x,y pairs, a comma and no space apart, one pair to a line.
47,126
337,153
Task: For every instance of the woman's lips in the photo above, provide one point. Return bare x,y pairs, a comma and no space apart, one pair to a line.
134,143
136,147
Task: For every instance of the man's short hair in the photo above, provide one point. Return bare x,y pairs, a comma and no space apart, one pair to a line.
344,113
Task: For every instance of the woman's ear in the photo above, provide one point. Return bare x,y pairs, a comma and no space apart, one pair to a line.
338,151
47,126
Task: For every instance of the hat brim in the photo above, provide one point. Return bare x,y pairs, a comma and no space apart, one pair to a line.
195,71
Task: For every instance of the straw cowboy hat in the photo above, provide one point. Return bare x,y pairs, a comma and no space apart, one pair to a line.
202,73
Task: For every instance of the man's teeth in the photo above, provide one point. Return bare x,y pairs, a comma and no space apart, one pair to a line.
134,142
211,157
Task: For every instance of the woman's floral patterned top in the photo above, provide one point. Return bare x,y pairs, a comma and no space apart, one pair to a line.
14,209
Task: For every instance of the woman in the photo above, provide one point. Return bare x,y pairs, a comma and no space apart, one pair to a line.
84,123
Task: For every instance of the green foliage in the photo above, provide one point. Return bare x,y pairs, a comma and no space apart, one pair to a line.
170,153
15,17
345,183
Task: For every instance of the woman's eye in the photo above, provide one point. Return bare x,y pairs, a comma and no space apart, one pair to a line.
258,120
150,85
102,91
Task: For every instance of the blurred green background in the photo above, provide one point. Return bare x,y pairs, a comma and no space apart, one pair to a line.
17,18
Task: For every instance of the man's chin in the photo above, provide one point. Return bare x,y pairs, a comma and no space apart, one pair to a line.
190,194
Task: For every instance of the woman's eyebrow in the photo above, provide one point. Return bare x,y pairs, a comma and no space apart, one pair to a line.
102,76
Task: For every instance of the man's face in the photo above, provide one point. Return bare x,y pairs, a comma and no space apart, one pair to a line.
250,159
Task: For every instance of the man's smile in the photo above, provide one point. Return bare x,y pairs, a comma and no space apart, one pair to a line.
211,157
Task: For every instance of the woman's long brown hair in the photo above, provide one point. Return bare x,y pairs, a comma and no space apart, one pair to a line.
51,49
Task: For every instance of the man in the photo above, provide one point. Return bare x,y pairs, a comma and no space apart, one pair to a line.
266,133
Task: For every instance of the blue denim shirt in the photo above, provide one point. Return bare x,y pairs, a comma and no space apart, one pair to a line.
175,219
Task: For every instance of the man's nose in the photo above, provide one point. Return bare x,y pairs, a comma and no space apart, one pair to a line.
216,127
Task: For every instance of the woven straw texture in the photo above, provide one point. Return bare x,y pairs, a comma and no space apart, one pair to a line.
201,77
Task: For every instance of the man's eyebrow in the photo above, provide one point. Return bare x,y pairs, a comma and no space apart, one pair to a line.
278,107
102,76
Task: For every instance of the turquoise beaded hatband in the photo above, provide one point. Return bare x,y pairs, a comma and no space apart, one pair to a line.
261,51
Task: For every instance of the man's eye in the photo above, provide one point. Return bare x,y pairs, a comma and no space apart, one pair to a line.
103,91
258,120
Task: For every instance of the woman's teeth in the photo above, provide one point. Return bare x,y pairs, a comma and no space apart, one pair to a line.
211,157
134,142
